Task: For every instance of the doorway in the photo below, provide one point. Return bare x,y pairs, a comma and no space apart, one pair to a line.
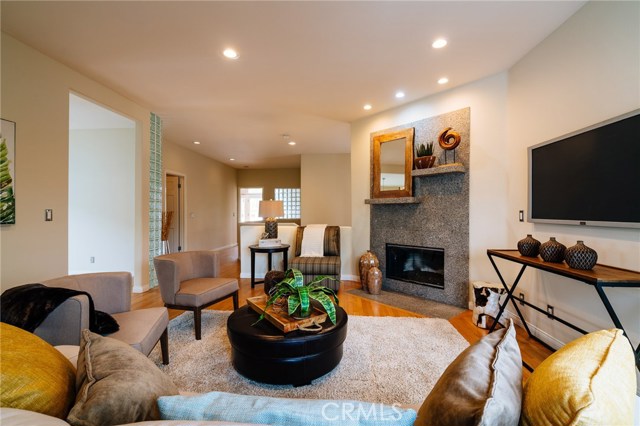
174,202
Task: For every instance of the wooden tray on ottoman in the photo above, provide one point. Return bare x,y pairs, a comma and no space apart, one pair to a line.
284,322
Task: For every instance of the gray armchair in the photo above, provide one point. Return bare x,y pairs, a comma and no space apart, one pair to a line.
190,281
111,293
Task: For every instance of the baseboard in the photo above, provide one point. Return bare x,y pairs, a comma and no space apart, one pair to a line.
228,246
140,288
537,332
347,277
245,274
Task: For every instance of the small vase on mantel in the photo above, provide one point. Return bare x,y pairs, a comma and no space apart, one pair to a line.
552,251
581,257
529,246
367,261
374,280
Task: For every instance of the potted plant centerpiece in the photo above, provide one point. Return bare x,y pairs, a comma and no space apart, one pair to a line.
297,296
424,156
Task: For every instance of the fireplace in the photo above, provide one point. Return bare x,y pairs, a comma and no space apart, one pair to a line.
413,264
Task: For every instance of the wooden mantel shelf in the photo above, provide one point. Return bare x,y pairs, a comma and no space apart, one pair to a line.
440,170
399,200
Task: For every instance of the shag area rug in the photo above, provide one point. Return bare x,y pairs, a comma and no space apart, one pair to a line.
429,308
386,360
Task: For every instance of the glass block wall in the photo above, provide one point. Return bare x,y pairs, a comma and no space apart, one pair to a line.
155,195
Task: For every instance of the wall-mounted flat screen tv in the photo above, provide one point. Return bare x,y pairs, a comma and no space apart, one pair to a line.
589,177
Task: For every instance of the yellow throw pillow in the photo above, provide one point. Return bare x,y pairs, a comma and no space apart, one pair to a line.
590,381
33,374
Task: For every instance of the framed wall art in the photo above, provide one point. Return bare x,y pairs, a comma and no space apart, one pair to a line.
7,172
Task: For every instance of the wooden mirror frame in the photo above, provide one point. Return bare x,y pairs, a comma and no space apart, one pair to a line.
377,142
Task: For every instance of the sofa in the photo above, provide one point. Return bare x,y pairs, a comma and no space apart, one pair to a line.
589,381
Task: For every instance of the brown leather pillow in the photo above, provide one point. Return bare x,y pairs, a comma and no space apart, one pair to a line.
116,384
482,386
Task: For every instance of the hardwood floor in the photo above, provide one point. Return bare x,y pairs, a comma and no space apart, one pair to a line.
533,352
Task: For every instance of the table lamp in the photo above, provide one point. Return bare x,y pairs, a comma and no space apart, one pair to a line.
269,210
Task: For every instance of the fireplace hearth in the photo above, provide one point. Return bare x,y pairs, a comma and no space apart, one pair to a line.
413,264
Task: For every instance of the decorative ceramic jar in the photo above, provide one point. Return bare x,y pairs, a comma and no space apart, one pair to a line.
374,280
552,251
529,246
581,256
367,261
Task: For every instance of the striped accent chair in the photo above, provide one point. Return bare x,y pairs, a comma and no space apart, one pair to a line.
328,265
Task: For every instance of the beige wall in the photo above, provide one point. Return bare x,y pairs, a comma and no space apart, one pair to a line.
269,180
325,192
585,72
35,94
210,198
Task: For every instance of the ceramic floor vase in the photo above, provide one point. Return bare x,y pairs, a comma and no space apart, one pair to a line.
581,257
374,280
367,261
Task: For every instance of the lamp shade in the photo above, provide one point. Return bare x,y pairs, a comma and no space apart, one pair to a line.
271,209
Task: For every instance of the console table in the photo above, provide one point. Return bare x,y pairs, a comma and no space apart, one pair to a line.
599,277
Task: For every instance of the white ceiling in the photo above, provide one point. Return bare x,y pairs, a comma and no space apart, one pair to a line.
305,69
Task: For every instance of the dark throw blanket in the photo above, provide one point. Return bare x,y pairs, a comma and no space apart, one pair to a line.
28,305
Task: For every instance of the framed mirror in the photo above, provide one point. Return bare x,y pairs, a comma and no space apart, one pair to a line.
391,164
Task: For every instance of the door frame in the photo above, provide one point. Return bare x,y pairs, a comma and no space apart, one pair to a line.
183,205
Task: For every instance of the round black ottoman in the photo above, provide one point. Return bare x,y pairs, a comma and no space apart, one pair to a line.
265,354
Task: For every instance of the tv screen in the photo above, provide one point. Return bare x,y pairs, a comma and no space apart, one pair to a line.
590,177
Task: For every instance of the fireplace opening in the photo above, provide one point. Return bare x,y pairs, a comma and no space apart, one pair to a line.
419,265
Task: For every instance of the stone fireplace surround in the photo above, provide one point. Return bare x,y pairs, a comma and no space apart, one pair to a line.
441,219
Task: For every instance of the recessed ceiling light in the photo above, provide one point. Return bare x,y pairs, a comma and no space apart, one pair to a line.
196,143
292,143
367,107
439,43
400,95
443,80
232,159
230,53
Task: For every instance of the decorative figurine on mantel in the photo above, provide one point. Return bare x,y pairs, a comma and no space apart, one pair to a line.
449,140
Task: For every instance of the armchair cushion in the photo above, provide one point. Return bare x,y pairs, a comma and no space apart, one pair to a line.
142,328
326,265
200,291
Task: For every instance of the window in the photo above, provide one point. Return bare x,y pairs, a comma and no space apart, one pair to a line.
291,201
250,204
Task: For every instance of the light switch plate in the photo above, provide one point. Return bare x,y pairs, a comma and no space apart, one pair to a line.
48,215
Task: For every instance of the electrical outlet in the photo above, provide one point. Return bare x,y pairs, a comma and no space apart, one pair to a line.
92,259
521,215
550,311
522,299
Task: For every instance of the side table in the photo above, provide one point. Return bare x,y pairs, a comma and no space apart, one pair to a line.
284,249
